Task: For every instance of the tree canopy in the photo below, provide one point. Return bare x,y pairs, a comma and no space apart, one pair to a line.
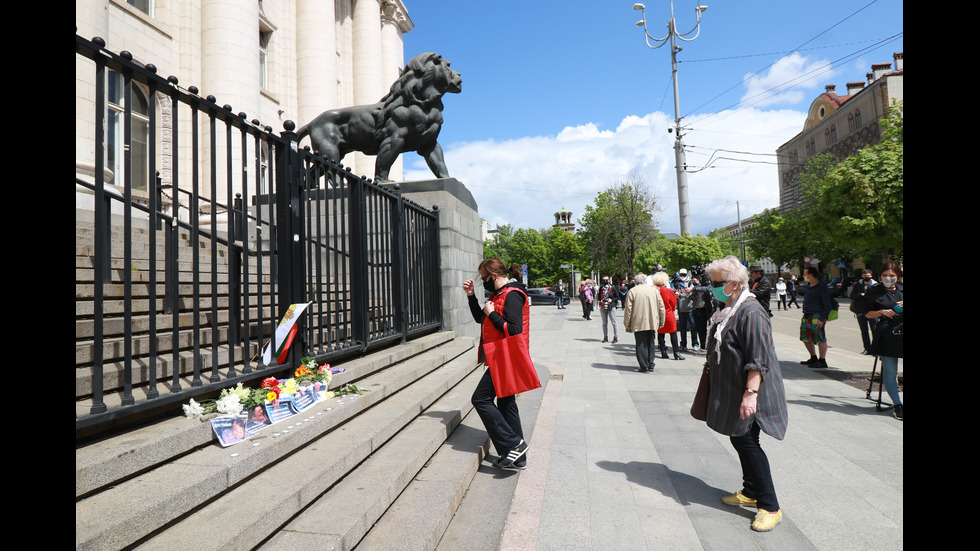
858,202
617,226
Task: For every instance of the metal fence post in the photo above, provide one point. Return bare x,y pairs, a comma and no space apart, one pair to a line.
358,264
290,229
399,268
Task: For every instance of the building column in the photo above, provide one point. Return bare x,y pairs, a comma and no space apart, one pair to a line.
230,73
394,23
316,59
229,55
368,75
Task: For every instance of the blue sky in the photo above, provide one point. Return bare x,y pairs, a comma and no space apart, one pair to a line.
561,99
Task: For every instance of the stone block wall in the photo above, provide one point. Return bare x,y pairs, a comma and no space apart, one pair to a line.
461,246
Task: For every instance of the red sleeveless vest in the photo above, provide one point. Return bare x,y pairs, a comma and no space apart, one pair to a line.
490,332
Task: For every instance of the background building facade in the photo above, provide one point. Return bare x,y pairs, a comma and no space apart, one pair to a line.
839,125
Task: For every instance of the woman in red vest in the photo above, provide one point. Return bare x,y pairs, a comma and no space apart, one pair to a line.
506,313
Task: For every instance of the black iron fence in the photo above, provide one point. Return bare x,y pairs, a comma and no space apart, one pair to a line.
182,279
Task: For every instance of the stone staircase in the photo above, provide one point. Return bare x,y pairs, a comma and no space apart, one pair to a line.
384,469
336,476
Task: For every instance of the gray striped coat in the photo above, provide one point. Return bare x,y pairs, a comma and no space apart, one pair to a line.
746,345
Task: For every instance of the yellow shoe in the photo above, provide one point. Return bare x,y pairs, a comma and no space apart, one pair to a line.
738,499
765,521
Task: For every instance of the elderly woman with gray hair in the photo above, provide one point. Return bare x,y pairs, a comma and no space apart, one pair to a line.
746,394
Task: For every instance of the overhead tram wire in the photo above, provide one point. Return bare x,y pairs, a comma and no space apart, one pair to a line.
742,104
866,6
744,56
713,158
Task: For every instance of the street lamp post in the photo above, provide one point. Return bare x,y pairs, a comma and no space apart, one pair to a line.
680,159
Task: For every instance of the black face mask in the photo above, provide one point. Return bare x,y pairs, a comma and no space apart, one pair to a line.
489,285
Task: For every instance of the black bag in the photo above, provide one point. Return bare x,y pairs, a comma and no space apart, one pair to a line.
858,306
699,409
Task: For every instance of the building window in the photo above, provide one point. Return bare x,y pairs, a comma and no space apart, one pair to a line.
833,133
115,132
826,138
264,176
264,37
850,122
145,6
857,118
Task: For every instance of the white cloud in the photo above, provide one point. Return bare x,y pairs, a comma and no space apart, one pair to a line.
524,181
788,81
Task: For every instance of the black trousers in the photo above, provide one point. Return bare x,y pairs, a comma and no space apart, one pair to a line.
646,349
756,476
501,419
701,322
673,342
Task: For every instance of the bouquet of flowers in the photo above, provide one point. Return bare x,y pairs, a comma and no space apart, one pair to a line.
233,401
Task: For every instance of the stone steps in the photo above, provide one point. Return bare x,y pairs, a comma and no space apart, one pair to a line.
326,481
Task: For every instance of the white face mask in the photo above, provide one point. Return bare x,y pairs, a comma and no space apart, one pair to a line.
889,281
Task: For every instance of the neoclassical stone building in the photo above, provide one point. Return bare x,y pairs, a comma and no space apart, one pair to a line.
840,125
274,60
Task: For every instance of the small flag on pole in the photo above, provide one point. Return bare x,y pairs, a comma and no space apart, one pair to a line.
284,334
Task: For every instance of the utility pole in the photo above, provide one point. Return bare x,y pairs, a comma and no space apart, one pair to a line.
680,159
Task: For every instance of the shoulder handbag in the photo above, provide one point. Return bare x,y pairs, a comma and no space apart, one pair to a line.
834,307
510,366
699,409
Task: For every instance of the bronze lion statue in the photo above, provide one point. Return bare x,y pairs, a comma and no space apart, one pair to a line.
408,118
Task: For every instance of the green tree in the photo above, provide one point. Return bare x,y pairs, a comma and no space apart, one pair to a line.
652,253
730,245
499,243
562,248
687,251
618,225
787,240
858,202
527,246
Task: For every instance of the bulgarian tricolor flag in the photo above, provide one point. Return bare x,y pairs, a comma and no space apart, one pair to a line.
284,334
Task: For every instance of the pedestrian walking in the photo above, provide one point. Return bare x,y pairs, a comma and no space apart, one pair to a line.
608,301
643,315
793,287
586,296
746,396
781,295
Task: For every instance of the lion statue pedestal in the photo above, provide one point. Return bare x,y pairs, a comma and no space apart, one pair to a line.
408,118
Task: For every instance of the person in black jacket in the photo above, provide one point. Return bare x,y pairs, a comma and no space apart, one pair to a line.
886,303
608,300
792,287
760,286
867,325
